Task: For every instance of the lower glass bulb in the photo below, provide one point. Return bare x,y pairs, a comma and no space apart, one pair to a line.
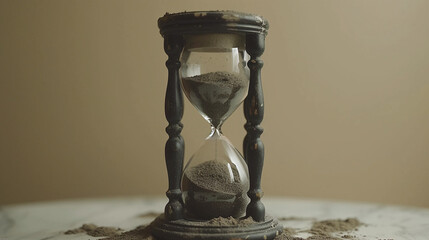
215,181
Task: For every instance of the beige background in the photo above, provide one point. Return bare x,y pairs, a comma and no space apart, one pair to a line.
346,87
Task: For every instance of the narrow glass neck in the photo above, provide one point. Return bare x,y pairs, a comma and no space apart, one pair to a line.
216,123
215,132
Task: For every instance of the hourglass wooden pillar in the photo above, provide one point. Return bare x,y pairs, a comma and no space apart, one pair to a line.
253,147
174,148
214,58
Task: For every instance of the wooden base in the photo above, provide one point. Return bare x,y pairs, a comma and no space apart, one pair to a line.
187,229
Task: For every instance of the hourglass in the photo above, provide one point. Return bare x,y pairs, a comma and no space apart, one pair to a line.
214,58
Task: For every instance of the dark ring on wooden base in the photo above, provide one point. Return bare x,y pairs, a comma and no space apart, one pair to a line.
186,229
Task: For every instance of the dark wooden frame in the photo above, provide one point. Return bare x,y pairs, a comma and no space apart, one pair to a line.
253,147
175,146
173,27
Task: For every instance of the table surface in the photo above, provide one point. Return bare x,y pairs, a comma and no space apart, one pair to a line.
49,220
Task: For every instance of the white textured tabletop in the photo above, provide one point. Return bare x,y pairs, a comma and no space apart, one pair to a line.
49,220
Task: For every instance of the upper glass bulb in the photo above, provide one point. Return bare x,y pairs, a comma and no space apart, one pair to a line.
214,74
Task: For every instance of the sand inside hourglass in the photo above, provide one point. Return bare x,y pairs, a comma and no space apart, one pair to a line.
216,94
215,187
212,193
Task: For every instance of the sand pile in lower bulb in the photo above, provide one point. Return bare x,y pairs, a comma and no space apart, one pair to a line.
209,191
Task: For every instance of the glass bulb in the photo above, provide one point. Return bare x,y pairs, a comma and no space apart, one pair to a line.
215,180
215,79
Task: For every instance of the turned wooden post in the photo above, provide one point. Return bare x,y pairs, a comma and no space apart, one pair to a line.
174,148
254,113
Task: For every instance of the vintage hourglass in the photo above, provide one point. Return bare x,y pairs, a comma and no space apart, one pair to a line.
214,60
